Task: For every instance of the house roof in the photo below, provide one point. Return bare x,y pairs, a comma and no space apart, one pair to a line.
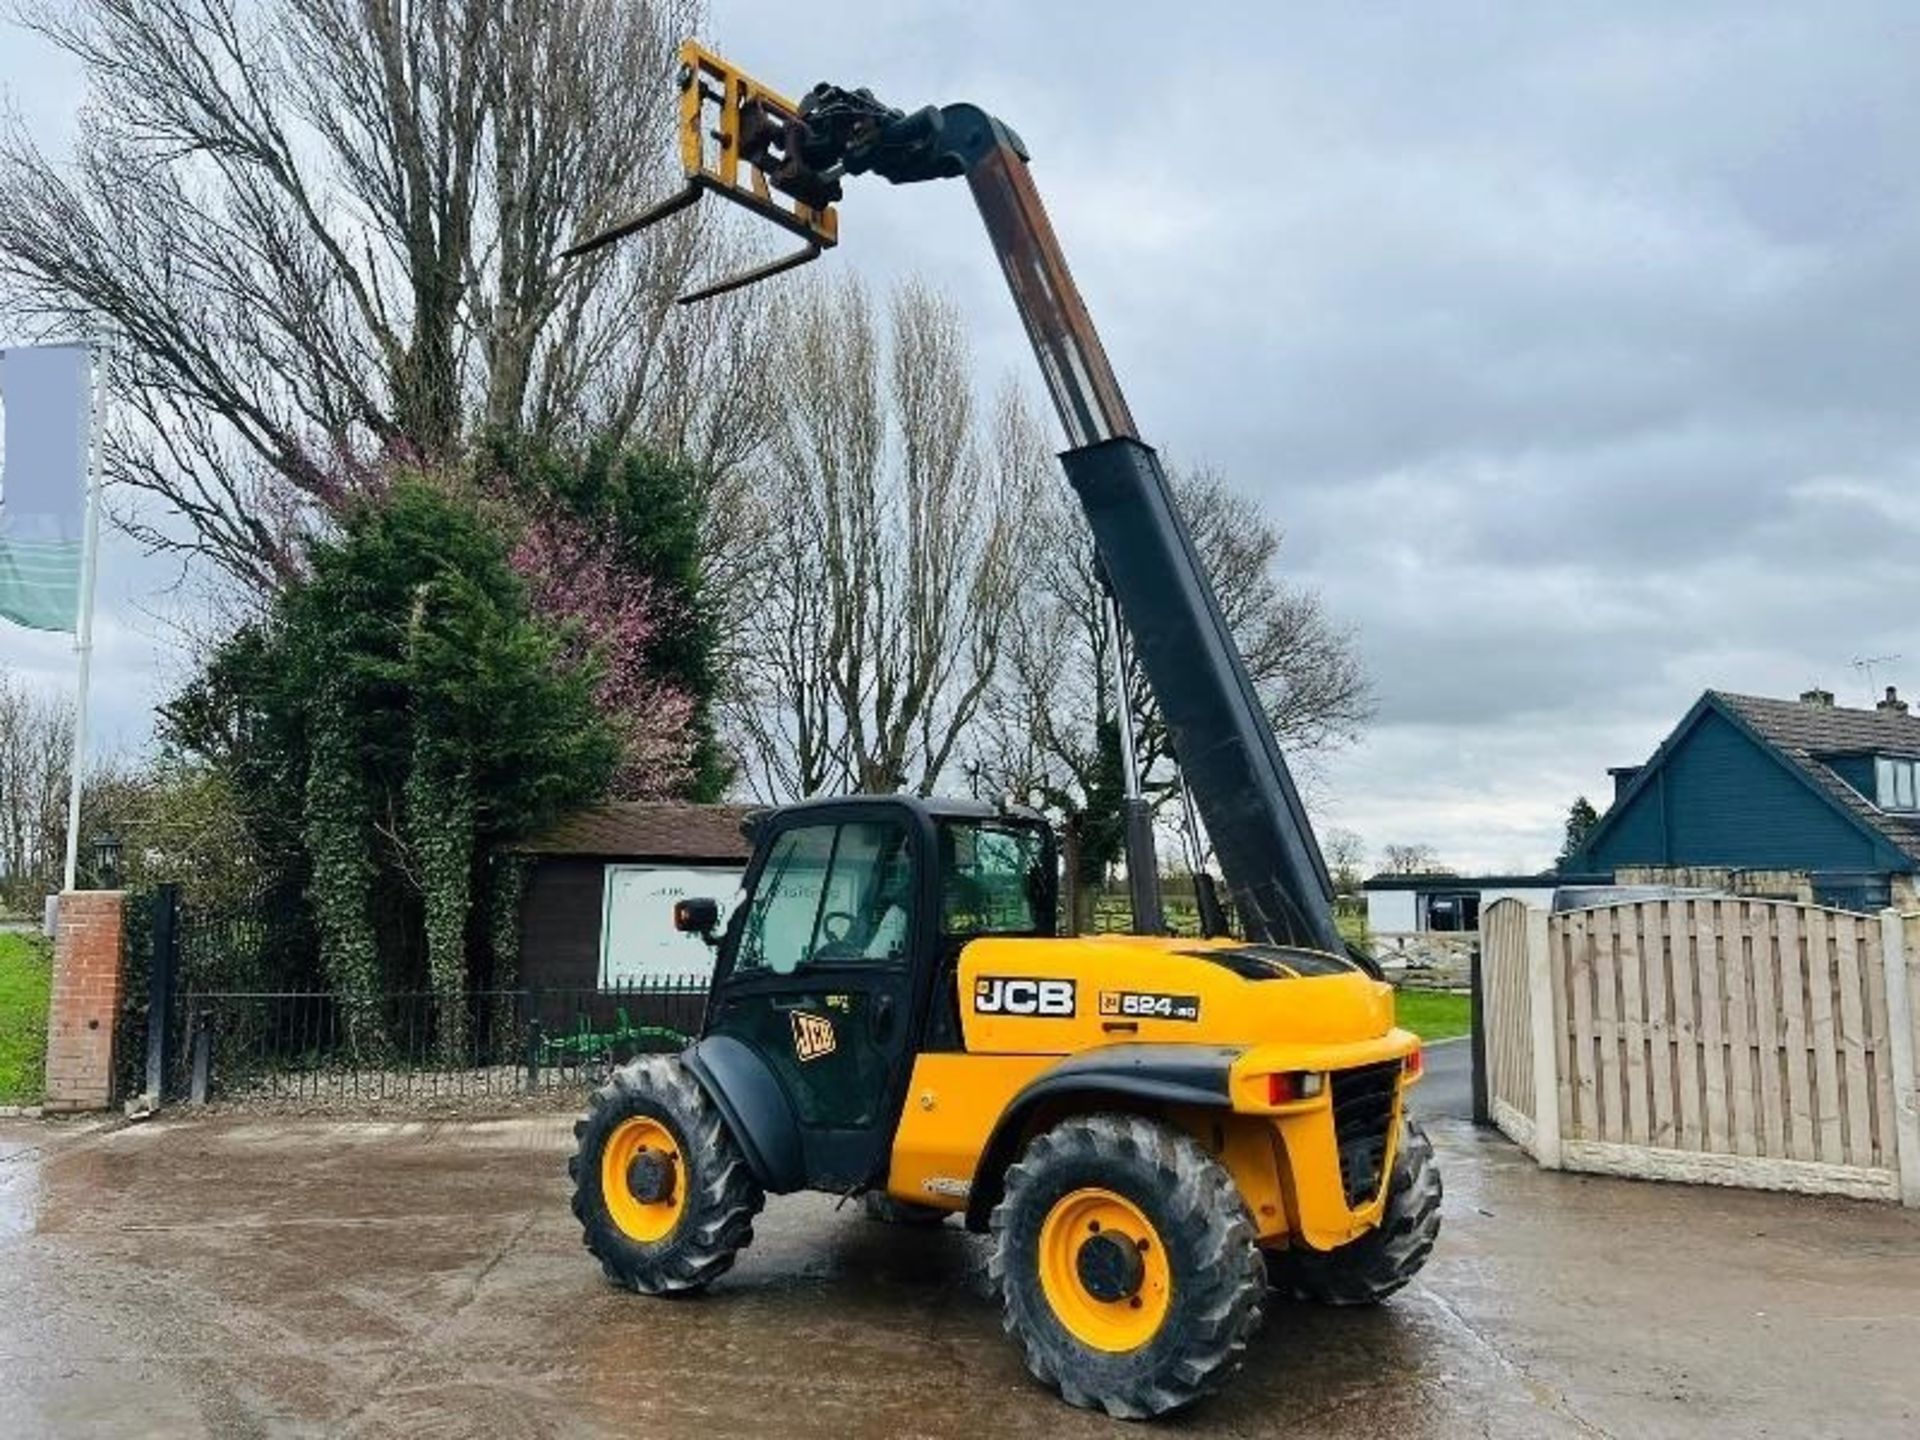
1804,733
638,830
1798,735
1444,880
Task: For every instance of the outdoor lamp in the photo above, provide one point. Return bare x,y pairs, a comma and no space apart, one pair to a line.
106,858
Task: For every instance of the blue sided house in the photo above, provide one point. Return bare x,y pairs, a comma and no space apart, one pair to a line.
1790,799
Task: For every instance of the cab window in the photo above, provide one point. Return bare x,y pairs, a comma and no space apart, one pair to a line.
830,894
994,879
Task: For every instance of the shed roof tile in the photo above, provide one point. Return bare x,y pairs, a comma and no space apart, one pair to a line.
639,830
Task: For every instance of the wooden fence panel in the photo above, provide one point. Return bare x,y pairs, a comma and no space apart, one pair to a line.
1736,956
1860,1142
1683,973
1584,1039
1760,943
1716,1124
1663,1111
1821,1038
1736,1041
1560,946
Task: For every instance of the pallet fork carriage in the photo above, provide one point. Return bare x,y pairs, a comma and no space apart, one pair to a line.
734,134
1152,1129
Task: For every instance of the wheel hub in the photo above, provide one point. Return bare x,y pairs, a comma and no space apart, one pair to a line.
639,1179
1104,1271
1110,1267
650,1177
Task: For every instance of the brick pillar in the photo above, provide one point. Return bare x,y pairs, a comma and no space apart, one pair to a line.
89,978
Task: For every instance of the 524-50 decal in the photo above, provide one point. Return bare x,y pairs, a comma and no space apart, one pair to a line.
1149,1005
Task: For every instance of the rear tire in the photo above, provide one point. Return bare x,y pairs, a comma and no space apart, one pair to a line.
699,1198
1135,1338
1368,1270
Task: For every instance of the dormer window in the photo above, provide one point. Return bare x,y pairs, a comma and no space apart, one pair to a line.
1898,783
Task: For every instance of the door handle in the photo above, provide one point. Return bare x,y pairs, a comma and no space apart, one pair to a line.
882,1022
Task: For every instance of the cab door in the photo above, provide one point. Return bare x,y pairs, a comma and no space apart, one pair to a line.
821,979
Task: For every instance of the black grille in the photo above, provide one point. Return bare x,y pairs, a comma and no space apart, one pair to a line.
1362,1118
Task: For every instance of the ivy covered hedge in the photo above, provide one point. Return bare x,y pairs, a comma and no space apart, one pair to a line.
389,723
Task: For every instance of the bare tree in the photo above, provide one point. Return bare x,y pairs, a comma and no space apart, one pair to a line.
1411,860
886,532
1346,855
326,230
36,752
1053,715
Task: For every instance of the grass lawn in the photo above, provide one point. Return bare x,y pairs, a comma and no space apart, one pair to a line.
1431,1014
26,972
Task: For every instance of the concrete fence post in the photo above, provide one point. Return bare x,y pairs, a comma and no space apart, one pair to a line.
1906,1090
1482,1103
1546,1079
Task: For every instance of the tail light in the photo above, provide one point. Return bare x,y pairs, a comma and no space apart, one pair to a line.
1292,1085
1416,1063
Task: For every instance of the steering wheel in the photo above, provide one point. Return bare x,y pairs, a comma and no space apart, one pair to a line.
836,926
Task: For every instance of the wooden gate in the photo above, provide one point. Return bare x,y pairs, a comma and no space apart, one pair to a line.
1504,981
1728,1041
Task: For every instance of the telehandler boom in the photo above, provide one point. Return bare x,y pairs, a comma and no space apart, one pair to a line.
1153,1130
745,142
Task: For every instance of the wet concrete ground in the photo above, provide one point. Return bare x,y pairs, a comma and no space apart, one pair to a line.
226,1276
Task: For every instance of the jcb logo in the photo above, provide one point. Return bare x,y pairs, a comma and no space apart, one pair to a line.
812,1035
1008,995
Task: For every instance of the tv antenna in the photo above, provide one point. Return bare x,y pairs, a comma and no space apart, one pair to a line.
1865,664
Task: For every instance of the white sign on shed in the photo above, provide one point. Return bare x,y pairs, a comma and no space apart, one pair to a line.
638,944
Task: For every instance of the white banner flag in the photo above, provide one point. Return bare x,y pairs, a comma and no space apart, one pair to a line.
46,394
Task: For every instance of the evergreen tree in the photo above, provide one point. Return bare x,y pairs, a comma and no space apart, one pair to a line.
1581,818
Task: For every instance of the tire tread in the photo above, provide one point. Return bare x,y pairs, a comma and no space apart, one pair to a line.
1200,1203
722,1199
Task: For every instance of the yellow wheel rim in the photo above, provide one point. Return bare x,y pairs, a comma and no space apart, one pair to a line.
641,1138
1105,1299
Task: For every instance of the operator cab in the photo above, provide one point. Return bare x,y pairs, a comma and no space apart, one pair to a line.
839,964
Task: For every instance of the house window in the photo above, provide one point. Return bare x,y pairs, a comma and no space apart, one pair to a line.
1453,913
1898,783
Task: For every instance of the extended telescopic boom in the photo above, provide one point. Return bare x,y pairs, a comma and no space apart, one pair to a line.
748,143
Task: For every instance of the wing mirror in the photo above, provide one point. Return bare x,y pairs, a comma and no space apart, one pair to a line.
697,917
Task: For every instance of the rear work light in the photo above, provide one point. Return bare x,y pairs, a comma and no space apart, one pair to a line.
1416,1064
1292,1085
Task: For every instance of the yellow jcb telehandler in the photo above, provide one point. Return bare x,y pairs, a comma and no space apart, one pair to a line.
1153,1130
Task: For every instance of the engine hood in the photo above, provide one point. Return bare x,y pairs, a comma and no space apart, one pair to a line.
1060,996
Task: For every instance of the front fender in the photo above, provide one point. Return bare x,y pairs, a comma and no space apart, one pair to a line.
748,1095
1196,1075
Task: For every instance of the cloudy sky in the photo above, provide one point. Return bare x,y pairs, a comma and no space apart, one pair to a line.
1575,346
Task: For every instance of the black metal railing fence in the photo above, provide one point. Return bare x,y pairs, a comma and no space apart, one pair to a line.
422,1045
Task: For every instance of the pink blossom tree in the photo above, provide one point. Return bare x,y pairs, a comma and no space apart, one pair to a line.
574,577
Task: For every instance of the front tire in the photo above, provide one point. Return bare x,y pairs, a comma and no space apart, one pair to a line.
664,1197
1385,1259
1126,1264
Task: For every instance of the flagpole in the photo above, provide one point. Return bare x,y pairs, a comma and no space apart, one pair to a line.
83,625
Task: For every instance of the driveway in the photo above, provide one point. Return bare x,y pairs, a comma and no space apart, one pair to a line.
234,1277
